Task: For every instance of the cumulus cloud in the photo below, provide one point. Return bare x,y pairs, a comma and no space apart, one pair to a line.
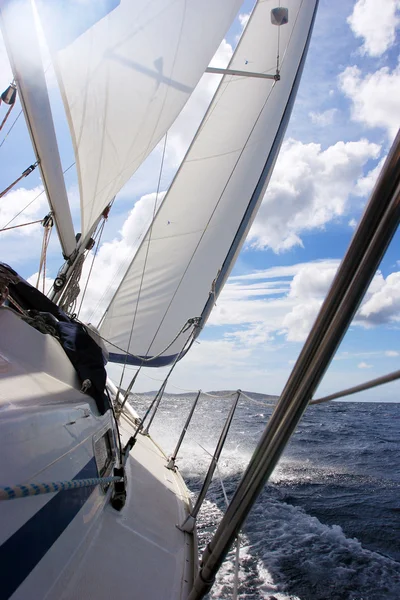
308,288
48,282
258,316
209,353
376,23
243,19
374,97
309,188
352,223
291,313
298,322
323,118
392,353
382,306
364,365
16,200
365,184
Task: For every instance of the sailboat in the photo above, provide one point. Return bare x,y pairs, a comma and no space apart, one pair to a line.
90,508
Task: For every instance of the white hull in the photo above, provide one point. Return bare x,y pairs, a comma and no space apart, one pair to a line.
73,544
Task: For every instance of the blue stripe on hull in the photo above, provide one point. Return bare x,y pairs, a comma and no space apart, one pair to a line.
20,554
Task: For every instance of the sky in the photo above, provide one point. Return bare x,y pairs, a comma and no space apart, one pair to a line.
344,120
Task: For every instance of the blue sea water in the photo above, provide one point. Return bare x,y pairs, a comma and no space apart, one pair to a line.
327,525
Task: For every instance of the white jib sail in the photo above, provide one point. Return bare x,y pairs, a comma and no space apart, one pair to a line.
126,69
208,200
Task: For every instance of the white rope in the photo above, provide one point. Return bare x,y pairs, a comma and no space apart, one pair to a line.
72,290
35,489
257,401
141,358
229,395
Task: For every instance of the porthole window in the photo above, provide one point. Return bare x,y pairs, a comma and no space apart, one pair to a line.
104,453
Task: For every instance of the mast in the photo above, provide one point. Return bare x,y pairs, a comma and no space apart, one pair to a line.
19,31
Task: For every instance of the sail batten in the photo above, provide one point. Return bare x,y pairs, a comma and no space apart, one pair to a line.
125,77
197,225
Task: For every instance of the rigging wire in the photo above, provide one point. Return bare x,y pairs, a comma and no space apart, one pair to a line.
21,225
157,399
9,131
24,174
99,233
215,207
48,226
145,264
31,202
185,327
7,115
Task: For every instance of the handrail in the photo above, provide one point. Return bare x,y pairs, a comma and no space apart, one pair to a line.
171,462
189,522
359,388
370,241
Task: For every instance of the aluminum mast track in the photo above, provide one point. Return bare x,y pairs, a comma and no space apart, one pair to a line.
370,241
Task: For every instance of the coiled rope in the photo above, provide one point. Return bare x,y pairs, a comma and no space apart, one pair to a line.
36,489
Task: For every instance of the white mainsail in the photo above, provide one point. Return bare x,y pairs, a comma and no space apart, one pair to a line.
126,69
187,253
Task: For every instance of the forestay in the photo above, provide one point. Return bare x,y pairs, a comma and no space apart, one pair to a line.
215,194
126,69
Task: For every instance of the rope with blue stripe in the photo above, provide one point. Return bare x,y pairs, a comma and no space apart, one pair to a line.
36,489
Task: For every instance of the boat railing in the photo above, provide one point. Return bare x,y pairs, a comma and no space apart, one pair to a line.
368,246
190,521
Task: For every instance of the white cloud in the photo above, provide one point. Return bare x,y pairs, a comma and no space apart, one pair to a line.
392,353
301,318
375,22
323,118
33,279
15,201
264,317
313,280
309,188
209,353
365,184
291,313
383,305
243,19
254,336
364,365
309,287
352,223
374,97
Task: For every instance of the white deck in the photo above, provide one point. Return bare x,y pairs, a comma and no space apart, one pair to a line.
141,553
